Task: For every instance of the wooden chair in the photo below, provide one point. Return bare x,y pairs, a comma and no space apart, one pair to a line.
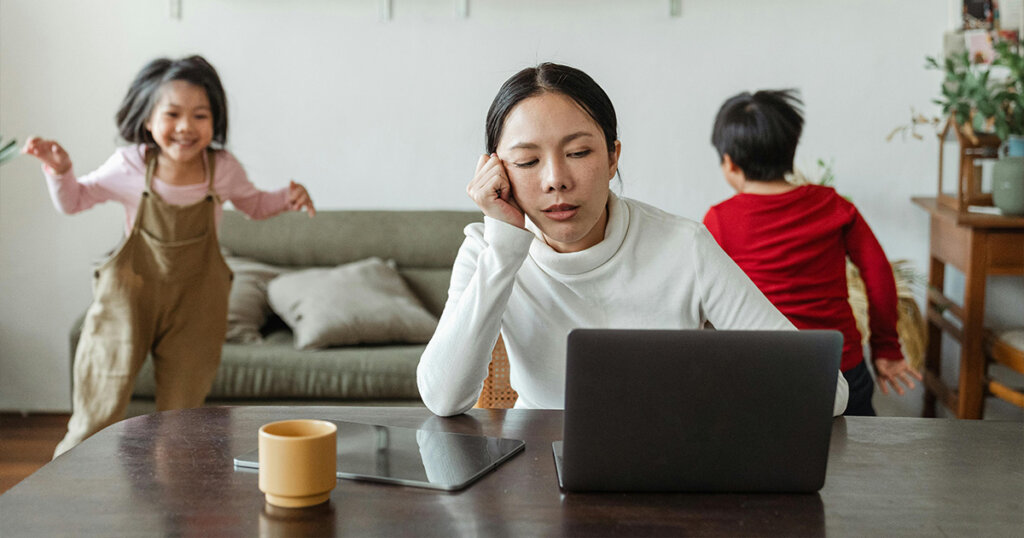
1005,348
497,392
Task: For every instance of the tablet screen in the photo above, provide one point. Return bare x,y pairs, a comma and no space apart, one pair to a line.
411,457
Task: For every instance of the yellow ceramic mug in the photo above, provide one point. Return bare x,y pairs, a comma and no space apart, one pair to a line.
297,462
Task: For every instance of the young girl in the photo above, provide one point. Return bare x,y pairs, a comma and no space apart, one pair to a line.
165,290
793,241
557,250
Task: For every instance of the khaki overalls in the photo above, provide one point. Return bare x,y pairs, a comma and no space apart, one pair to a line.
164,291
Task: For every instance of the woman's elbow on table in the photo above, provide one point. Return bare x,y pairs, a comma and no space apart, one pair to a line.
439,398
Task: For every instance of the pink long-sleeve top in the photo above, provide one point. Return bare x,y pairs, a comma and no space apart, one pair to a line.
123,178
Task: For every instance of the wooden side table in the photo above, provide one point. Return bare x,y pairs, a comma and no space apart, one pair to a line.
978,245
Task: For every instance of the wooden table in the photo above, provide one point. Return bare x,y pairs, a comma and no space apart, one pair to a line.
978,245
171,474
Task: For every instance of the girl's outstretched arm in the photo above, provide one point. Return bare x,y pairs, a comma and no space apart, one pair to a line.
233,184
298,199
70,194
50,153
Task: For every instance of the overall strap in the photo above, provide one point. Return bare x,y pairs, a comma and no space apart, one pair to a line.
211,161
150,168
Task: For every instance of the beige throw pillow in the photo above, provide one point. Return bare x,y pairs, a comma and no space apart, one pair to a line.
364,302
248,308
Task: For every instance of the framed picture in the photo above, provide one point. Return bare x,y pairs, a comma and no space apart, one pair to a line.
978,14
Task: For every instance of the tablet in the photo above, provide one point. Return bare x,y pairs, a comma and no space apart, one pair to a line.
411,457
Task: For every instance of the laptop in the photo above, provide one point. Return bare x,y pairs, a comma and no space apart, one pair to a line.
697,410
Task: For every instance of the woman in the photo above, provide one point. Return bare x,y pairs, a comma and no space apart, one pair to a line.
558,251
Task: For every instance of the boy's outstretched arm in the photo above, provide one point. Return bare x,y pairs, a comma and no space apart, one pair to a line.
866,253
893,372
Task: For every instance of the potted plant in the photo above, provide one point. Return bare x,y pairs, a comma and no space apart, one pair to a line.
1008,123
1008,96
979,102
967,96
986,106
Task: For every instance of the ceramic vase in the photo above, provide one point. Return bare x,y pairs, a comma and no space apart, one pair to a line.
1014,146
1008,185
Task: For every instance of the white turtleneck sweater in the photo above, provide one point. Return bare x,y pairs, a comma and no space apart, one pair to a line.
652,270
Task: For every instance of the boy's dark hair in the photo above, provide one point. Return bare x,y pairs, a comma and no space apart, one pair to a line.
550,77
760,132
137,105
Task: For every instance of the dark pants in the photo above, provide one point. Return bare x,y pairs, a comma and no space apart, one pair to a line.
861,389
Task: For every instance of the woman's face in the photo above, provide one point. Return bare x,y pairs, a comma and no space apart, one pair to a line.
559,166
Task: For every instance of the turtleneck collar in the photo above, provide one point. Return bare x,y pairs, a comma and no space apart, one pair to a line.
577,263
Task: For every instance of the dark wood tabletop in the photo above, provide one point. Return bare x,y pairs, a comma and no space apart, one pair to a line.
171,474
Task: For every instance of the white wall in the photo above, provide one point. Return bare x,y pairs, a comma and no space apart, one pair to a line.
372,114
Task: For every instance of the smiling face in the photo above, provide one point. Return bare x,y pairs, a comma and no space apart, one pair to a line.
181,122
559,166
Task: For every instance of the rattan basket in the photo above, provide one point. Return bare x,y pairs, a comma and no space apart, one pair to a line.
910,323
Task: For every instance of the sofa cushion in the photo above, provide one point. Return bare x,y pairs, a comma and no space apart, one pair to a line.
423,243
248,306
364,302
274,369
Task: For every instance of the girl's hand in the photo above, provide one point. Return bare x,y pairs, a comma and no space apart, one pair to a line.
889,371
491,190
50,152
298,199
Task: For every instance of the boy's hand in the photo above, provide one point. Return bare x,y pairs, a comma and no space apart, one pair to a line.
890,371
50,153
298,199
491,190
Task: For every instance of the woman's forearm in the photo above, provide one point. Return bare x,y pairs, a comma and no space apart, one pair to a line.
453,367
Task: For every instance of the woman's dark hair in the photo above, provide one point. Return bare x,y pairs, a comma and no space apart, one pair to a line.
137,105
760,132
549,77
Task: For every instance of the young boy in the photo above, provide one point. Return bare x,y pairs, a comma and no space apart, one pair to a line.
793,241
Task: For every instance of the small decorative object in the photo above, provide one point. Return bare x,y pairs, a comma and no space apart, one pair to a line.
972,149
979,46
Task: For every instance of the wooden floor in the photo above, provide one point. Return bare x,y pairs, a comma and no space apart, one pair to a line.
27,443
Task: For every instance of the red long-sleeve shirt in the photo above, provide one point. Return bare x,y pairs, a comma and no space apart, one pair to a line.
794,247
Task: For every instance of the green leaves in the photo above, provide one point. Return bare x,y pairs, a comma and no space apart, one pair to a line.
968,94
8,150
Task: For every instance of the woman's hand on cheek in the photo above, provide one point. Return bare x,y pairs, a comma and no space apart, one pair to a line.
491,190
298,199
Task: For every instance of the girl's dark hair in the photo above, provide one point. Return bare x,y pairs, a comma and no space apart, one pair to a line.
549,77
137,105
760,132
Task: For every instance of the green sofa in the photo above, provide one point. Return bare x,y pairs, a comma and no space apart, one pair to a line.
422,243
